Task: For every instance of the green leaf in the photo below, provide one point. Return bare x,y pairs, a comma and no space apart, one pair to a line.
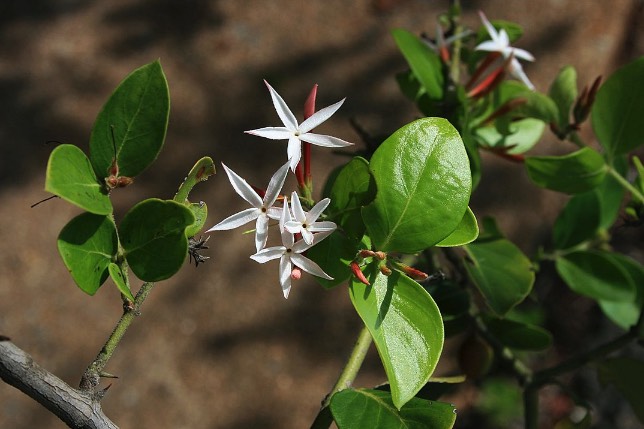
120,280
563,92
88,244
524,134
626,313
200,172
153,235
610,194
200,212
465,232
406,326
619,108
70,176
595,274
518,335
627,375
578,221
501,272
574,173
538,106
368,408
424,62
353,188
423,179
137,112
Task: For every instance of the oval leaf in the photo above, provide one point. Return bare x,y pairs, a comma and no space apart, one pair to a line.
88,244
518,335
626,313
578,221
576,172
153,235
423,179
465,232
406,326
595,274
563,92
423,62
71,177
368,408
502,273
619,108
353,188
133,121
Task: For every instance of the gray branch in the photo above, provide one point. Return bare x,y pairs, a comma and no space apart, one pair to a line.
78,409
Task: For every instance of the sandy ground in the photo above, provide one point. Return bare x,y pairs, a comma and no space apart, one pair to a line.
218,346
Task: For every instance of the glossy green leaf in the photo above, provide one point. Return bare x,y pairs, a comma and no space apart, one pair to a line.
134,119
466,232
574,173
153,235
423,179
70,176
518,335
119,277
374,409
88,244
406,326
578,221
353,188
501,272
563,92
627,375
595,274
619,108
611,194
424,62
626,313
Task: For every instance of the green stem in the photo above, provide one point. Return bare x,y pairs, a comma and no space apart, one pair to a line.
95,370
346,378
456,52
636,194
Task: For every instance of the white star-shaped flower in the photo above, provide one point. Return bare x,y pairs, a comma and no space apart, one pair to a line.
501,43
290,254
305,223
297,133
262,209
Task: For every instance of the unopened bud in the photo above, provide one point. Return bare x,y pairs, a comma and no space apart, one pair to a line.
366,253
124,181
385,270
412,272
380,255
355,269
585,101
296,273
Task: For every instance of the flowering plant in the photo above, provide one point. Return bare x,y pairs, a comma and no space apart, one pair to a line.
395,224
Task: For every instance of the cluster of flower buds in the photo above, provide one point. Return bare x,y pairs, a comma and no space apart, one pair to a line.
385,266
299,229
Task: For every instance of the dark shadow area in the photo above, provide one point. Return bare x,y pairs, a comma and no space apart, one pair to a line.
146,23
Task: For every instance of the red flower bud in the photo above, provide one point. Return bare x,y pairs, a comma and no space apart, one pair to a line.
355,269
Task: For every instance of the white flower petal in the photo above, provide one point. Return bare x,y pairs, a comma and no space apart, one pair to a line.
268,254
488,46
309,266
296,207
307,236
317,210
285,275
242,188
293,226
517,71
504,39
303,246
488,26
282,109
319,117
261,232
275,185
236,220
294,152
322,140
323,226
273,133
274,213
523,54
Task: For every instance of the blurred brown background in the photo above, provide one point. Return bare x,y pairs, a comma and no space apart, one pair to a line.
218,346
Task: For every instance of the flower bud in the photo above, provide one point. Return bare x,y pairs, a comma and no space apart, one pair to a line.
355,269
